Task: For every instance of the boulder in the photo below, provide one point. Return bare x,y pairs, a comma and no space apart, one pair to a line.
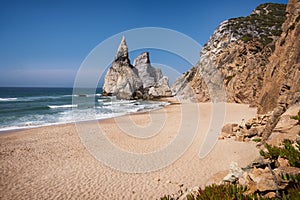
239,137
227,130
286,127
282,162
249,133
161,89
261,180
234,174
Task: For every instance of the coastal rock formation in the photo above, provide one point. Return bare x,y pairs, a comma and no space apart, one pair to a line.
161,88
258,57
122,78
138,81
282,77
286,128
148,74
154,83
246,131
239,50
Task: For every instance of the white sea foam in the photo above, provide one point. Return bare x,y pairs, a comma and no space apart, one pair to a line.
120,102
62,106
8,99
108,107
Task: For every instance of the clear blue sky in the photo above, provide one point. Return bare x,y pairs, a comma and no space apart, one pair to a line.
42,43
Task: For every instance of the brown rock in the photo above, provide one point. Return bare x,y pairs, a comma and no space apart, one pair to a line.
260,130
249,133
281,79
281,76
283,162
287,170
241,64
239,138
270,195
235,128
262,180
286,127
217,178
227,130
221,137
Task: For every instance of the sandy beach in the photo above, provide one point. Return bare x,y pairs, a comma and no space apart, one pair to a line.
53,163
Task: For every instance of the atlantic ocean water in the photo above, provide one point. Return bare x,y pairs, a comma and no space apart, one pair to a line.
24,107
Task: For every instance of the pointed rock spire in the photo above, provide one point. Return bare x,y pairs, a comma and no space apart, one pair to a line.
142,59
122,53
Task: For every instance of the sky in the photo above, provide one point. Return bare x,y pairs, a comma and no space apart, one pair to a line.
43,43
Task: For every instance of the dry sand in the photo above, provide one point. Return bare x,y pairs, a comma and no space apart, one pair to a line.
52,162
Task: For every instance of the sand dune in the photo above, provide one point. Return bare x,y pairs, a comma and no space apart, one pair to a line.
53,162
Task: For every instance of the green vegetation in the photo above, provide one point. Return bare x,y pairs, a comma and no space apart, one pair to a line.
246,38
294,186
298,18
234,191
221,192
256,140
264,22
297,117
288,151
225,192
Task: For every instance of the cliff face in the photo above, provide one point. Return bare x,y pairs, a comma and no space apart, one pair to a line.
238,49
258,58
281,85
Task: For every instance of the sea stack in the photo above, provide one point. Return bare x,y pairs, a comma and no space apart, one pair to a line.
154,83
122,78
147,73
140,81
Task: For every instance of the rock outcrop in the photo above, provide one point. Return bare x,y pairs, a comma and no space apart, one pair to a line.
154,83
246,131
253,129
258,58
161,88
282,77
122,78
238,49
146,72
286,128
140,81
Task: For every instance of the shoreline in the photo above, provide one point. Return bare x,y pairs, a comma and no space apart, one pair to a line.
169,100
52,162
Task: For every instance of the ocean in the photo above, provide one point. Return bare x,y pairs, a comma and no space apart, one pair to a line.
24,107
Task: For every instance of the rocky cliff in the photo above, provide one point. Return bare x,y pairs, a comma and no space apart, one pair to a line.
258,58
139,81
239,50
281,81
